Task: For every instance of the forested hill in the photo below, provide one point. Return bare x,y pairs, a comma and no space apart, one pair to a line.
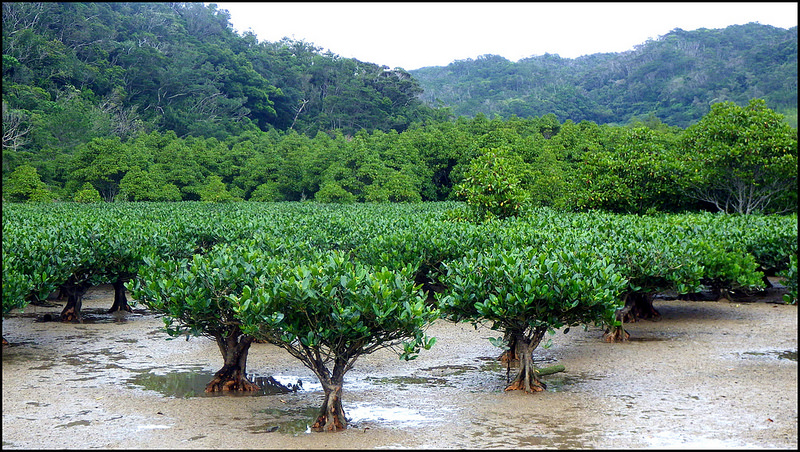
74,71
676,77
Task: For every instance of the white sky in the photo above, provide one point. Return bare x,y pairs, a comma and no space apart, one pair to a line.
414,35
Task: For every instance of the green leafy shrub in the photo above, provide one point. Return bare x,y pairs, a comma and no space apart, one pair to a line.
328,311
492,185
87,194
790,280
526,292
332,192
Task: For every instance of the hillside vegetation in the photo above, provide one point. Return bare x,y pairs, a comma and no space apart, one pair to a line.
675,77
166,102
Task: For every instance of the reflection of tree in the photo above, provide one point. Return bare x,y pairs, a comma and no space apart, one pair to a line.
269,385
193,384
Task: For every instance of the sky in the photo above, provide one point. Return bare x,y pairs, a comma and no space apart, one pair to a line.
419,34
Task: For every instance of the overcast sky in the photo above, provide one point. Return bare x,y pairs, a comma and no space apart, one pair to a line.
414,35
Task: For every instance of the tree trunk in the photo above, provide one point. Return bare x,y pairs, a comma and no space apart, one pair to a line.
233,375
510,355
719,292
331,416
637,306
641,307
527,378
618,333
120,300
75,292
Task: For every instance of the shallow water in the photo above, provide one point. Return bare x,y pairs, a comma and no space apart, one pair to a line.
705,376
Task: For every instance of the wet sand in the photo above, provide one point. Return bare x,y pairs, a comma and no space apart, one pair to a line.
707,375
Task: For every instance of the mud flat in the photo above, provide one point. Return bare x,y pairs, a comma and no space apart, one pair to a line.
710,374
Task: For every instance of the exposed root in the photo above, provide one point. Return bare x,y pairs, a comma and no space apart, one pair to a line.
115,308
331,416
70,314
519,385
322,425
220,384
616,334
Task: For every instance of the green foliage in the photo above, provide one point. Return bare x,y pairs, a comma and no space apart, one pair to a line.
630,173
331,282
192,294
266,192
328,311
741,159
87,194
16,287
140,185
24,184
214,191
333,307
529,288
49,246
154,101
332,192
492,185
75,72
104,162
790,280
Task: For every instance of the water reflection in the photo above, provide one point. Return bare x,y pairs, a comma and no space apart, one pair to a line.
790,355
292,421
184,384
362,413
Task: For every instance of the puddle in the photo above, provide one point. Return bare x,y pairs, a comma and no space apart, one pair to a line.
560,382
95,360
192,383
449,370
291,421
297,420
790,355
404,382
296,384
492,364
89,316
361,414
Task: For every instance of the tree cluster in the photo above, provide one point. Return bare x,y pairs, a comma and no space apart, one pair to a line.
735,160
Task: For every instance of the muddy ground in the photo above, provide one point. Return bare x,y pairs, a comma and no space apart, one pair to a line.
709,374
